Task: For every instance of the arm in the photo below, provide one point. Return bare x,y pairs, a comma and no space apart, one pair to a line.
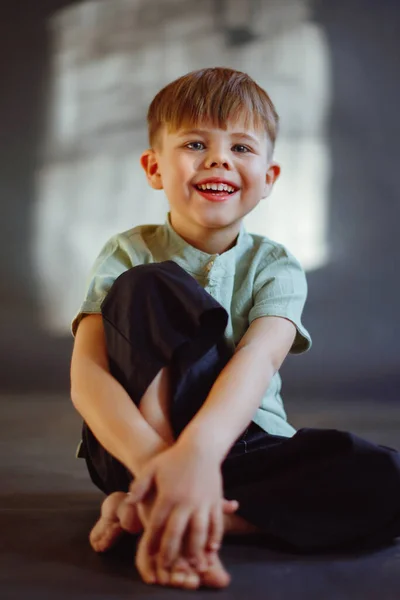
104,404
188,474
237,392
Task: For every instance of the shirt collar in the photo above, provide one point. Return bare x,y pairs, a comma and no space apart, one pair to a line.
190,258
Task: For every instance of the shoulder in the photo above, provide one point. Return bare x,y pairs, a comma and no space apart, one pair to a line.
265,252
129,246
137,236
120,253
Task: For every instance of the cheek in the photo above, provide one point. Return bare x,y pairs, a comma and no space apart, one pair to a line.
181,171
257,177
252,168
177,183
254,181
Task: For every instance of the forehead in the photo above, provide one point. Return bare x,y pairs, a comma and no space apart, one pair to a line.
244,128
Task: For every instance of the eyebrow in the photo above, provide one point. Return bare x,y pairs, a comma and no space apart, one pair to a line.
240,134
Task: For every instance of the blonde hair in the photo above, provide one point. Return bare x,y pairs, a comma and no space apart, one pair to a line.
213,95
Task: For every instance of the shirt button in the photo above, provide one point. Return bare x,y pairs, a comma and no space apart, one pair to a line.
210,265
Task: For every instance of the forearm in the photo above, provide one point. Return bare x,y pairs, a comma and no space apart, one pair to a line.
112,416
231,403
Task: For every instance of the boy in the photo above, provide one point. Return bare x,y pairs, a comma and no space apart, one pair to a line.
175,368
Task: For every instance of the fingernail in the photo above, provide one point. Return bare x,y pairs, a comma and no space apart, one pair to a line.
215,546
178,577
192,579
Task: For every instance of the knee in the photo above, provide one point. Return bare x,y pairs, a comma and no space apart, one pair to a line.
144,281
142,276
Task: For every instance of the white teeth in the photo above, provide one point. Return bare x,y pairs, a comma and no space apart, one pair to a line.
220,187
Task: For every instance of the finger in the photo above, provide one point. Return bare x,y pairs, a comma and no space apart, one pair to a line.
181,565
198,535
140,487
171,543
145,563
229,506
216,529
157,521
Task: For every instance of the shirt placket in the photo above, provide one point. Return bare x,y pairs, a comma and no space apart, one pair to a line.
210,273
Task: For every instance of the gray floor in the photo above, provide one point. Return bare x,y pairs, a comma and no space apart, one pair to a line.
47,506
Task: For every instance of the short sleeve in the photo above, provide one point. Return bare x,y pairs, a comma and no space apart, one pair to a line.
280,290
112,261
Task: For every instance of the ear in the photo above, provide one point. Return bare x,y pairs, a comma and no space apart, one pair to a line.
272,175
149,163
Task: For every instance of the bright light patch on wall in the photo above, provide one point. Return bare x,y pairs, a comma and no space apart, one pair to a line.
108,61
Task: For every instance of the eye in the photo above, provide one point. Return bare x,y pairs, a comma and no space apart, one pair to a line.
195,146
241,149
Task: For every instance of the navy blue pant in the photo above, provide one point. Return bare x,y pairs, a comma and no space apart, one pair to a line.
319,490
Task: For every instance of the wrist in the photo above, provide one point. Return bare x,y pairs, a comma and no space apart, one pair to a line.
194,442
136,461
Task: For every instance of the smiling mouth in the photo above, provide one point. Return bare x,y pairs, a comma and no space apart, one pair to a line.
217,189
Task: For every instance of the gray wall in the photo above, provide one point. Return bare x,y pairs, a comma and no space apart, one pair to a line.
351,311
353,305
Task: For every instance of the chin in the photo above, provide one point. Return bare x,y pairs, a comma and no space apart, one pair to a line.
217,223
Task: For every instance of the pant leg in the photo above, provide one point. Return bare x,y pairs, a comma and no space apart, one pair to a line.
320,490
157,315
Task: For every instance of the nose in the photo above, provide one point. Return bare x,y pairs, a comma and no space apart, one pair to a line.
218,158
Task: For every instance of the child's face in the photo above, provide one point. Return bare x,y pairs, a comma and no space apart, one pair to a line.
236,157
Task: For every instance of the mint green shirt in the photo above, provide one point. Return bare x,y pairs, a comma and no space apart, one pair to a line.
255,278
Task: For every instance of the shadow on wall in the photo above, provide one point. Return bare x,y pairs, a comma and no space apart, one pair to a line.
90,183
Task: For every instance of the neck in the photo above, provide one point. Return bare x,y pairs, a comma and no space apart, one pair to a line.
209,240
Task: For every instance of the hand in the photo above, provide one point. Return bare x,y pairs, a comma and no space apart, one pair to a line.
188,487
149,565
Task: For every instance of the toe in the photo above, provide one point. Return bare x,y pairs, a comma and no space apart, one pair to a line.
110,506
163,576
192,581
145,563
104,535
216,576
178,578
129,519
180,571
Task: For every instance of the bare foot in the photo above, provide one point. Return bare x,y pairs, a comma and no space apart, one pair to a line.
109,528
234,524
215,576
118,517
183,574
